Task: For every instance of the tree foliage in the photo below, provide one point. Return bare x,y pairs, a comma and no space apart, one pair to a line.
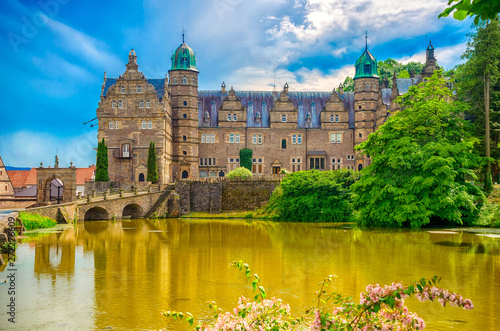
483,60
422,163
101,172
240,172
314,196
152,164
481,9
348,84
387,68
246,158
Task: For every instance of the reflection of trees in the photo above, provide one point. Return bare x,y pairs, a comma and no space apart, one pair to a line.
55,253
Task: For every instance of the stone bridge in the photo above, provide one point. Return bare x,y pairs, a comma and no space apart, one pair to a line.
140,205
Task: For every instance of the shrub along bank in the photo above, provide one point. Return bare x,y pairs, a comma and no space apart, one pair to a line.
32,221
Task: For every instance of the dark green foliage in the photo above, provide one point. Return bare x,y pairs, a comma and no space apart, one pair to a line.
481,9
483,60
246,158
422,163
152,164
387,68
314,196
101,172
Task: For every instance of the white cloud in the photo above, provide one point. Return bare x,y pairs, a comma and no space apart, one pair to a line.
29,148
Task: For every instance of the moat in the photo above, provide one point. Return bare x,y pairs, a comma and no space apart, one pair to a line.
121,275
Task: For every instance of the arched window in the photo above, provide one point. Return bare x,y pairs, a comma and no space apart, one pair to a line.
367,86
175,80
194,81
283,143
185,174
203,174
141,177
360,167
221,173
184,80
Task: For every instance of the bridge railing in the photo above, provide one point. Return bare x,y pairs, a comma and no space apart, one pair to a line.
114,193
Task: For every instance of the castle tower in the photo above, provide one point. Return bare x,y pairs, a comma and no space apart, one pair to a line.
430,63
183,83
366,95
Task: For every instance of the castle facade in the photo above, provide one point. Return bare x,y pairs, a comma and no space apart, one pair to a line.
199,133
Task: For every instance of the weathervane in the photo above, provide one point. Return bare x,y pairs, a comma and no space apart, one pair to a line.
183,35
366,40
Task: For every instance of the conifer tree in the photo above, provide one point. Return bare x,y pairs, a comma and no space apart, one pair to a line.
101,173
152,165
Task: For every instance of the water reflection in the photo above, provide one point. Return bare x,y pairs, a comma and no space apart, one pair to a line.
122,274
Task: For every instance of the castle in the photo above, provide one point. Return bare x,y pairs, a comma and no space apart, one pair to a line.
199,133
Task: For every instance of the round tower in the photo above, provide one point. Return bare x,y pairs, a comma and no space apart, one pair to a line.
366,94
183,84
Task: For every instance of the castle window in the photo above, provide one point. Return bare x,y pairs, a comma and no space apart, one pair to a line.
185,103
317,163
141,104
113,104
360,135
144,125
296,165
359,107
296,139
367,86
175,80
148,104
283,118
111,123
150,124
335,138
228,117
184,153
126,150
120,103
231,138
233,163
337,118
258,166
184,80
234,117
122,89
184,115
203,173
336,164
194,81
234,138
257,139
184,138
141,177
116,124
283,143
331,118
139,89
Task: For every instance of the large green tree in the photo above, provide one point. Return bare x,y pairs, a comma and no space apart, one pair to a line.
422,163
152,164
480,9
478,84
101,172
387,68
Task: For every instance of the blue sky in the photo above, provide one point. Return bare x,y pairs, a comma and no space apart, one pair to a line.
54,54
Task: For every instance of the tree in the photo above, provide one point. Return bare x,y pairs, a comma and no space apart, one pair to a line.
101,171
387,68
481,9
314,196
422,163
478,84
152,164
246,158
348,84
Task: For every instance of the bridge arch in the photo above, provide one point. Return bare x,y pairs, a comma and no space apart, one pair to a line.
132,211
96,214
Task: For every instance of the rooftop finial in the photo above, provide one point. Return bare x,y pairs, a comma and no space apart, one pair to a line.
366,40
183,35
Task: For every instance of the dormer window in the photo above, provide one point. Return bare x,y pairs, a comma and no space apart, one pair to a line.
368,69
228,117
283,118
308,117
184,80
234,117
257,117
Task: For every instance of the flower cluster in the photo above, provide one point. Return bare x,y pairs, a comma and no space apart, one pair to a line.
267,314
444,296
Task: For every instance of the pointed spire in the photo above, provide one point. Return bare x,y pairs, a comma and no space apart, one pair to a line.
183,35
366,40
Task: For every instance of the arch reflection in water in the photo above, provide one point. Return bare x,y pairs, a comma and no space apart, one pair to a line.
96,214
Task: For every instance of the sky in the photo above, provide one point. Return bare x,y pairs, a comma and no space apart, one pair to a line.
54,54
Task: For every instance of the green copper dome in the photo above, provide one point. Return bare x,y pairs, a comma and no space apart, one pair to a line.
184,58
366,66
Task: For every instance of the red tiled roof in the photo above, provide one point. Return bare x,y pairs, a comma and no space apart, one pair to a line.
31,180
18,177
84,174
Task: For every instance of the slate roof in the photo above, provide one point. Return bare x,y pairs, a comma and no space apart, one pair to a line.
404,84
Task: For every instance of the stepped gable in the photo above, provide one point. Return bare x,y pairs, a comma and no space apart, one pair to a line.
6,189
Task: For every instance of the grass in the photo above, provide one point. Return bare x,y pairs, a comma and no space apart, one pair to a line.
32,221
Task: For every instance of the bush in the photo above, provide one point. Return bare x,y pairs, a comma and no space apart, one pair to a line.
246,158
314,196
240,172
32,221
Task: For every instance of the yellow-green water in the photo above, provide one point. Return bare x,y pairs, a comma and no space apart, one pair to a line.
122,275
